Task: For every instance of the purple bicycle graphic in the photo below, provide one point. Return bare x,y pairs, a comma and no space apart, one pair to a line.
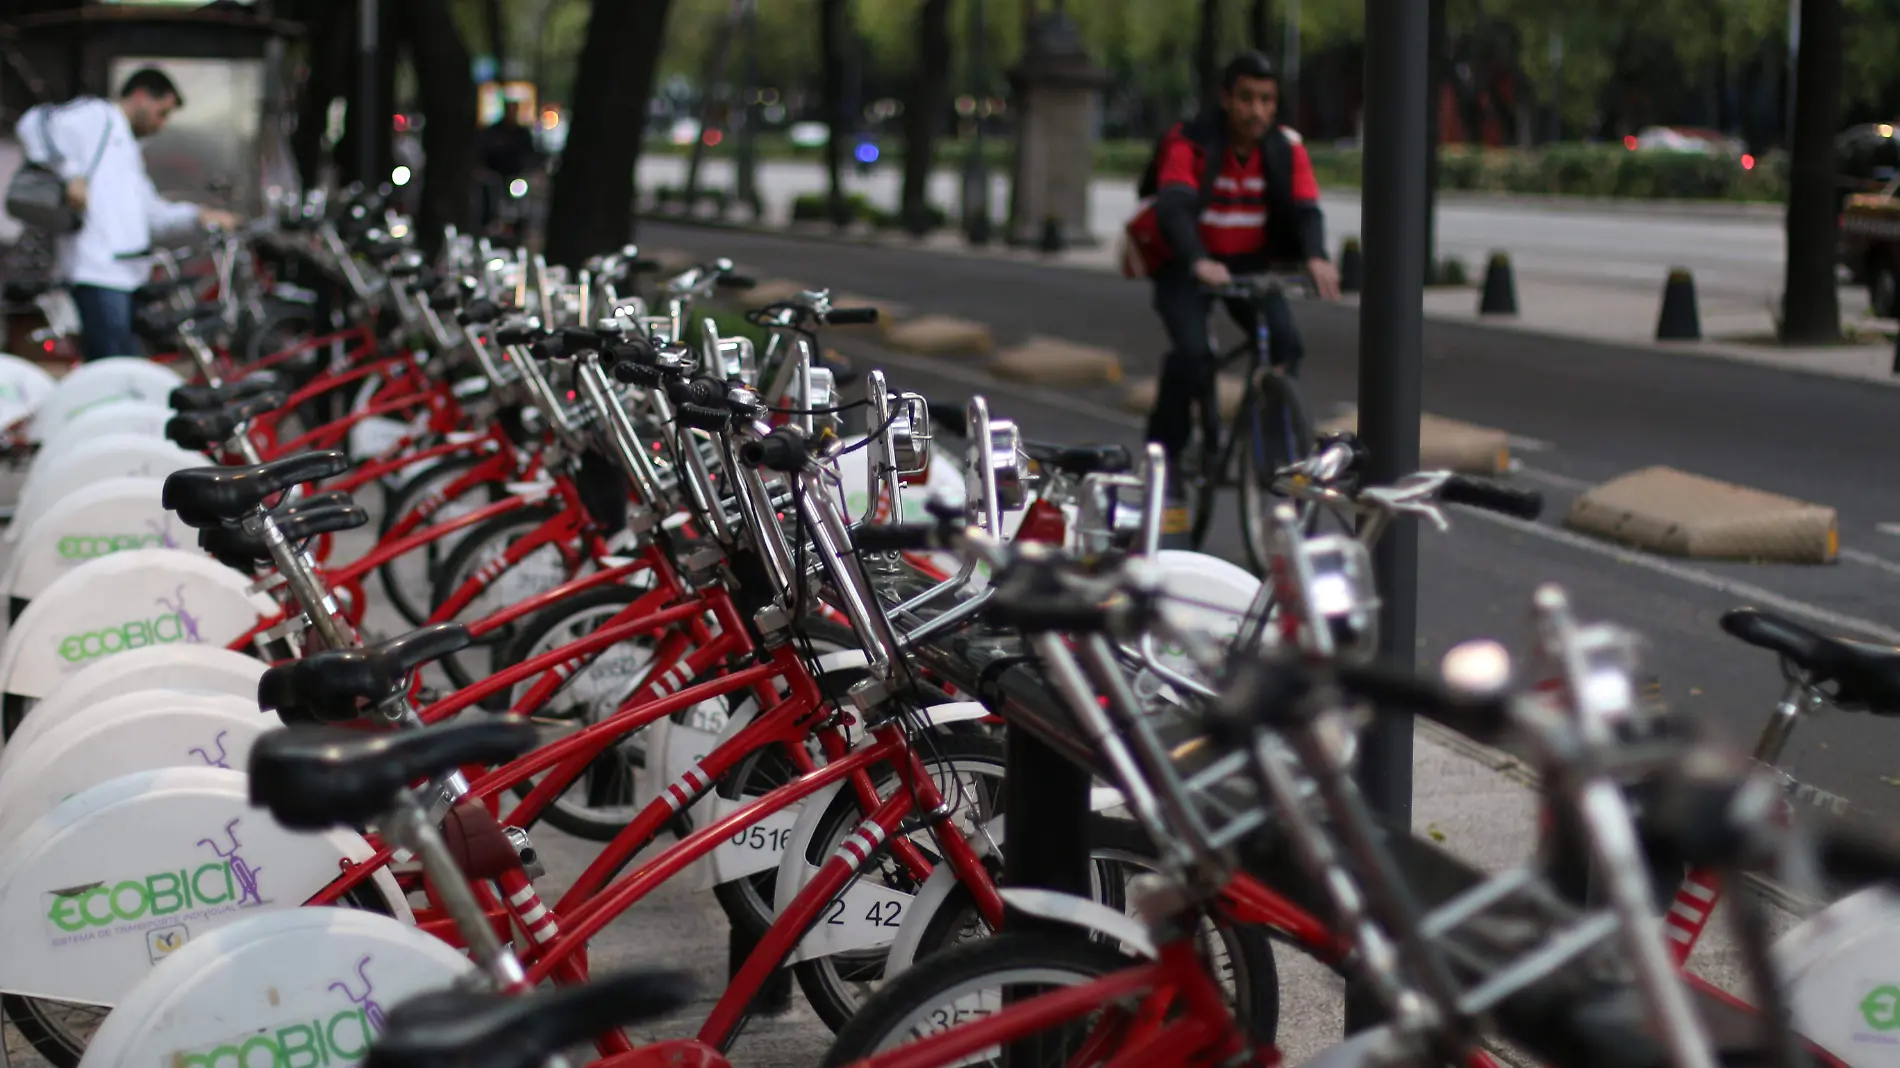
241,869
162,527
211,761
186,620
371,1010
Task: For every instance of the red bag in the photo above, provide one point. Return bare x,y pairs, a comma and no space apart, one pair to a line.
1144,250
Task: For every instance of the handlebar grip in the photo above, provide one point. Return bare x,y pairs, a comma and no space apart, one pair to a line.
548,348
737,281
629,351
478,312
1492,496
703,390
702,417
519,334
578,338
1486,718
633,373
897,537
851,316
783,450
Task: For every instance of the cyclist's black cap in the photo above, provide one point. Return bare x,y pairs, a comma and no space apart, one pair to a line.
1247,65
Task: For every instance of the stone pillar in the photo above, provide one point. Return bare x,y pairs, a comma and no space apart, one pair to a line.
1056,91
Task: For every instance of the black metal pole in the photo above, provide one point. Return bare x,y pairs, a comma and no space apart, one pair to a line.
1391,344
746,181
976,173
368,64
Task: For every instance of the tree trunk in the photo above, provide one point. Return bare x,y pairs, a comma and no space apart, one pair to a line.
592,204
831,31
381,125
1260,26
497,36
330,37
1811,310
447,90
924,111
1206,62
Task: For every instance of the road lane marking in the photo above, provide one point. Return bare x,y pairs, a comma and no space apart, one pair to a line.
1743,591
1552,478
1867,559
1888,528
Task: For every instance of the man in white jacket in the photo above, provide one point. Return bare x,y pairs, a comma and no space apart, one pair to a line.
93,144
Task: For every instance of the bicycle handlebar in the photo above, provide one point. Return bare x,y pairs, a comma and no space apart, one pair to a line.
1254,286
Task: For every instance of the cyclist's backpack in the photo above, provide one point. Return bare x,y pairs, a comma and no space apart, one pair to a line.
1144,249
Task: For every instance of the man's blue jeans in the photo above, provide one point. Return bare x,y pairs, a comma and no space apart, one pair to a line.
105,322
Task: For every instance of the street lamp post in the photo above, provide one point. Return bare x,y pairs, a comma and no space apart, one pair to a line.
369,135
976,174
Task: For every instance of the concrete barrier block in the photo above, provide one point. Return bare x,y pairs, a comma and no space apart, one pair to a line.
1139,397
1052,361
941,335
1668,511
1448,444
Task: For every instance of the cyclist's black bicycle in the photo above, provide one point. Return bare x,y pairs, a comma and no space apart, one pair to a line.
1270,430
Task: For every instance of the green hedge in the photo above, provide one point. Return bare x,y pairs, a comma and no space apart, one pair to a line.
1584,170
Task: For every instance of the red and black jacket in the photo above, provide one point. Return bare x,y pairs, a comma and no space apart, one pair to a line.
1295,228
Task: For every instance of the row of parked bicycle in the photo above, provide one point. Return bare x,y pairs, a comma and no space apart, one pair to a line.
660,589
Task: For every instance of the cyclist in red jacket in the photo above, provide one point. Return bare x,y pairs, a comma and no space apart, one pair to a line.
1262,208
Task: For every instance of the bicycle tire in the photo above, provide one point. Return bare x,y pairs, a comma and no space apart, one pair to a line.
1202,494
747,902
477,547
617,763
1050,959
1117,848
1274,431
32,1017
398,503
828,981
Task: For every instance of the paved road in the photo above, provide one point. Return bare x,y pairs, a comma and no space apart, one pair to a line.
1584,412
1733,255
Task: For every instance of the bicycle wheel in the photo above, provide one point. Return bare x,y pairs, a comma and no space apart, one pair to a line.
1239,957
968,770
1273,431
480,553
599,804
970,982
409,579
1201,471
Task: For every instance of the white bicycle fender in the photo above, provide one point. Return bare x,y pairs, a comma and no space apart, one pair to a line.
111,456
191,668
937,888
95,520
115,879
304,986
1082,912
24,385
1837,967
124,601
137,732
100,382
147,418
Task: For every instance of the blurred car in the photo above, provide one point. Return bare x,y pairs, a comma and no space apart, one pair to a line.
1688,139
1870,245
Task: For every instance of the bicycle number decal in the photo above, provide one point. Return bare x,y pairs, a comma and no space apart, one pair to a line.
867,914
749,850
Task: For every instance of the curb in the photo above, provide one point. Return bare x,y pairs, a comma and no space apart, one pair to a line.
1674,513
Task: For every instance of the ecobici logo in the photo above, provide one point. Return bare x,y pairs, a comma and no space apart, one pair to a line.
161,903
1880,1010
158,535
175,624
341,1037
